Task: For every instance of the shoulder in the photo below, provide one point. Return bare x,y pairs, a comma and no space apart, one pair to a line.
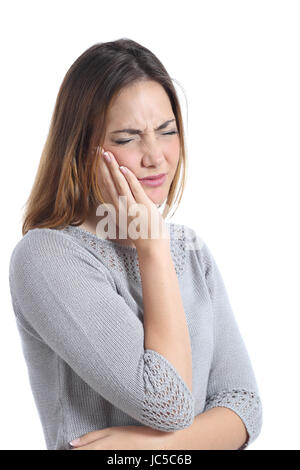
194,246
39,240
191,240
47,247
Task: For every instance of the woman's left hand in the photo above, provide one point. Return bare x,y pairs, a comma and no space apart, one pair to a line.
125,437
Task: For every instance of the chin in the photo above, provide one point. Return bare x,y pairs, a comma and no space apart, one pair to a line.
157,195
157,200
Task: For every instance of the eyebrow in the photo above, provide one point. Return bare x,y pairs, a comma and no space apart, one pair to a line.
138,131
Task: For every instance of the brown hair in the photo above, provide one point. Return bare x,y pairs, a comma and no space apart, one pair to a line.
65,186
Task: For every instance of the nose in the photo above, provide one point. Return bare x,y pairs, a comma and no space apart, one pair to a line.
152,155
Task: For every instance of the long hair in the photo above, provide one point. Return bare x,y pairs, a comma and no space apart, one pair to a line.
65,185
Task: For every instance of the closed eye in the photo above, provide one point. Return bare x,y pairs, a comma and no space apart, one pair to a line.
126,141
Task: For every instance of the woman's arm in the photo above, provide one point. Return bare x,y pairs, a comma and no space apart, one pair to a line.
66,298
165,326
232,383
215,429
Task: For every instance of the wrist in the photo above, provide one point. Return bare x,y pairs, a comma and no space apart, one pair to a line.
151,247
176,440
180,439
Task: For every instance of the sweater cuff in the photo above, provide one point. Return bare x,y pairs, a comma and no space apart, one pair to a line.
169,405
246,404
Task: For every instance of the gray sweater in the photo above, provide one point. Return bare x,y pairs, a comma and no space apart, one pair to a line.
78,304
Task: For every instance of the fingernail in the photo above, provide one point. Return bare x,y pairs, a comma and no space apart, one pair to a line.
123,169
107,157
75,442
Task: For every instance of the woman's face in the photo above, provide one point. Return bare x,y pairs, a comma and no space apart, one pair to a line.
143,107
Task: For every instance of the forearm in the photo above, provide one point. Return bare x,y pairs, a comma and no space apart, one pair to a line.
165,326
218,428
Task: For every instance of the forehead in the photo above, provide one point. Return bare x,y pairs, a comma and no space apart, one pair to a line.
133,131
143,105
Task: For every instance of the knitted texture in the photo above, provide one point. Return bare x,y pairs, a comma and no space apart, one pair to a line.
78,304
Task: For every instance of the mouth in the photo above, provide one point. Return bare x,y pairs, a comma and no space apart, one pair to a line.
154,181
155,177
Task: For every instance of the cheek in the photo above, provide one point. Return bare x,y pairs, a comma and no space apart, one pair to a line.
128,158
173,151
125,157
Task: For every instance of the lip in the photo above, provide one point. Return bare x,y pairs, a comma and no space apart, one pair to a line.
152,177
154,181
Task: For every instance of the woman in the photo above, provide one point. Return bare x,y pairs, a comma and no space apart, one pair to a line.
129,337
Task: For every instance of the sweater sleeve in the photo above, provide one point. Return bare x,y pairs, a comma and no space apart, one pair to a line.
232,383
71,303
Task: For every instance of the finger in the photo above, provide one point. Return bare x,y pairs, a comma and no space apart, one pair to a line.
87,447
89,437
135,187
98,444
119,179
105,180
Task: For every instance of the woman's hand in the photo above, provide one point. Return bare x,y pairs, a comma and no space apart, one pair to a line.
113,184
126,437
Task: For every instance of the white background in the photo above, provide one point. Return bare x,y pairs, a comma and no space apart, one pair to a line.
237,66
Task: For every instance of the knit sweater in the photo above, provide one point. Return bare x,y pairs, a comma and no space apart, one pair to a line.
78,305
